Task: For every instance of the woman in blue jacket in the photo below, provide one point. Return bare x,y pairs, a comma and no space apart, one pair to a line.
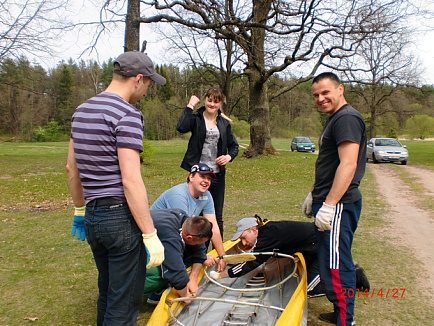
212,142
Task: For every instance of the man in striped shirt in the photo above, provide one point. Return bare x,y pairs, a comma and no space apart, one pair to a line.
108,192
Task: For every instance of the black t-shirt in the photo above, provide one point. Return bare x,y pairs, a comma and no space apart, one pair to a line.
346,124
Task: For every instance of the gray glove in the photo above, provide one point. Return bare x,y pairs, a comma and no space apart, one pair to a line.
324,217
307,206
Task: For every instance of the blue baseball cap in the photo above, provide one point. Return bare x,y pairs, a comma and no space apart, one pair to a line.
202,168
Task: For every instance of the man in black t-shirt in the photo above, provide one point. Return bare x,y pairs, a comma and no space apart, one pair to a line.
335,199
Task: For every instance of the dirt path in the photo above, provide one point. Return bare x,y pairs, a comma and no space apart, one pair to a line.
412,226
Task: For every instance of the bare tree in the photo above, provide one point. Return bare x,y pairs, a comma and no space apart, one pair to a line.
31,26
214,60
215,65
382,63
274,35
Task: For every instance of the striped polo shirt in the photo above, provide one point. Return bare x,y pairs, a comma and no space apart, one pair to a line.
100,126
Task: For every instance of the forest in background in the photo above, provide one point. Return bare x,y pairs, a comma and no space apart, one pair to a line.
37,105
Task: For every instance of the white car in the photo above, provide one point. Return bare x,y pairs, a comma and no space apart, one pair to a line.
386,150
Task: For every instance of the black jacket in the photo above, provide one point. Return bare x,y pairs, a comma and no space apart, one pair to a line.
194,122
288,237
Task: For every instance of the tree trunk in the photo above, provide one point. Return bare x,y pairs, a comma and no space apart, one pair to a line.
260,138
373,121
259,110
227,76
373,104
132,26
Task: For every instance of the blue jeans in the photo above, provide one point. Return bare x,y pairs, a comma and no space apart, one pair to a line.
120,256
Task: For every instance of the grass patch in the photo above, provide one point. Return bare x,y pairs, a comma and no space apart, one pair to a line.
421,152
48,274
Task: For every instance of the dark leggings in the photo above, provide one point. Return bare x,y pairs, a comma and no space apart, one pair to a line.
217,190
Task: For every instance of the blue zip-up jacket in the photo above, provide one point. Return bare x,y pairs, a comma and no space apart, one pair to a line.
168,223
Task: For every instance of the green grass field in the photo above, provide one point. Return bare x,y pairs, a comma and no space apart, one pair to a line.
47,274
420,152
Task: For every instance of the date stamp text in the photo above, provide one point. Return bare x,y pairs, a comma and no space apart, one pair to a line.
383,293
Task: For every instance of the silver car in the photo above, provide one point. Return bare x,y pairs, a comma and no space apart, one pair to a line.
386,150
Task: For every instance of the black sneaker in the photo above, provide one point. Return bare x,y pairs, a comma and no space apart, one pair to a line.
318,291
331,317
362,282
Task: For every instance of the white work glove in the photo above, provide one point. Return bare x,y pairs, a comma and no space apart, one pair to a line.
323,219
307,206
215,275
154,248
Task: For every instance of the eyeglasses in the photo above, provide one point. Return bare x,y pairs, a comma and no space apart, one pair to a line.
206,235
202,168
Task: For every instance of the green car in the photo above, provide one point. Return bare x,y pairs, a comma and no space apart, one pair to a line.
302,144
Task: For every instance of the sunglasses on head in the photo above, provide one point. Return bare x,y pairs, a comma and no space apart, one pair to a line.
206,235
196,168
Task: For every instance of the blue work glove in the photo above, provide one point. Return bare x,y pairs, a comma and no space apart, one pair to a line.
78,223
148,256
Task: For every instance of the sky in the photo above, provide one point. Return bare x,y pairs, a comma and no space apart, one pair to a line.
425,51
111,45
